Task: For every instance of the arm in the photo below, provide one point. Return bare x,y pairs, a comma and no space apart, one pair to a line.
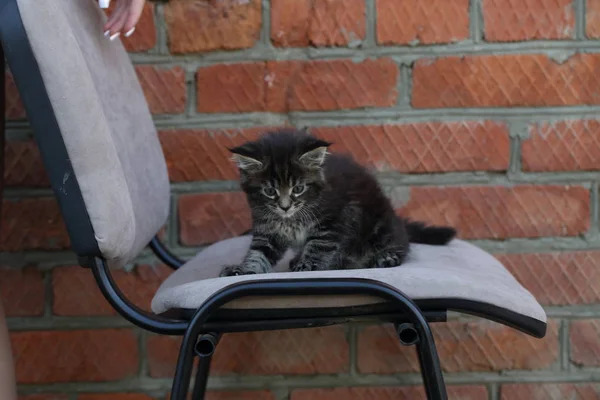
319,252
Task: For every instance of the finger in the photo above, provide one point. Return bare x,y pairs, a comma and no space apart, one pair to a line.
135,12
114,17
117,28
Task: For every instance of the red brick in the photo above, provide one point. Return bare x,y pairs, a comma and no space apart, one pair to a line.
383,393
22,292
210,217
294,352
562,146
506,81
74,356
297,86
550,391
558,278
343,84
165,89
592,18
144,37
75,292
424,147
114,396
300,23
462,346
23,165
231,88
32,224
499,212
43,397
200,26
202,155
247,395
422,22
162,353
585,342
13,109
515,20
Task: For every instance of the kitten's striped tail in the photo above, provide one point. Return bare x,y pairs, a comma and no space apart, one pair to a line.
420,233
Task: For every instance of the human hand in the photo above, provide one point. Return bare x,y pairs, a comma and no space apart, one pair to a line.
124,17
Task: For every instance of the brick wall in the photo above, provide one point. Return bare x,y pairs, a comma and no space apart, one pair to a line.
476,113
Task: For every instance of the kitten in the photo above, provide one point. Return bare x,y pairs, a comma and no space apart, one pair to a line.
326,207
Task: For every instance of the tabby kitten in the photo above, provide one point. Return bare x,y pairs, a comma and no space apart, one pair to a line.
326,207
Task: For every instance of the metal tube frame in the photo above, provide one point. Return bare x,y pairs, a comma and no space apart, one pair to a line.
198,327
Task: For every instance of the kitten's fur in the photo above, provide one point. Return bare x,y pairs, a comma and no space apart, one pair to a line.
326,207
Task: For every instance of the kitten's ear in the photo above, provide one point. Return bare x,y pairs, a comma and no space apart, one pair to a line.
314,159
244,161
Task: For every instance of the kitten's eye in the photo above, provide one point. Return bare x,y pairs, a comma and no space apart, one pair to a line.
269,191
298,189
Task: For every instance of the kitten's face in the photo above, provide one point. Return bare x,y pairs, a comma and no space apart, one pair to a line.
282,174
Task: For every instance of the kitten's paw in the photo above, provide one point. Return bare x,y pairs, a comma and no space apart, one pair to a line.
233,270
389,260
299,265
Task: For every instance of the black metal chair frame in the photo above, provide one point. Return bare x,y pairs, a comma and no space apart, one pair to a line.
200,336
200,329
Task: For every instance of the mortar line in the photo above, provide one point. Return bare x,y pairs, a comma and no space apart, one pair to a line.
371,24
401,53
353,349
173,231
143,357
404,87
564,346
49,295
580,20
192,95
320,381
493,391
155,18
389,179
162,41
595,205
392,115
514,163
265,30
476,25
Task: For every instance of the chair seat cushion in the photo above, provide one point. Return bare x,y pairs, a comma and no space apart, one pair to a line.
458,273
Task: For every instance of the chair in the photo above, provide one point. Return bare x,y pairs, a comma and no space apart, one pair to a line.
109,176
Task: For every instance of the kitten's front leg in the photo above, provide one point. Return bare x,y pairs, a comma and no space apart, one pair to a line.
265,251
319,253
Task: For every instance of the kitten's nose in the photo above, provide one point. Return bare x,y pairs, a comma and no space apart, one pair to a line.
285,207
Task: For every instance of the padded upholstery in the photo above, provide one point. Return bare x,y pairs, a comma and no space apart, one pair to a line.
457,271
105,124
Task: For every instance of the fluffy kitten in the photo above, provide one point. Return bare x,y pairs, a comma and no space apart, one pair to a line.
326,207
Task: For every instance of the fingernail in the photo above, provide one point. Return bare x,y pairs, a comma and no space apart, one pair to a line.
107,33
104,3
130,32
116,35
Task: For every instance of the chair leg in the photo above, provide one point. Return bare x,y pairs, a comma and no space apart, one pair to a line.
204,347
431,371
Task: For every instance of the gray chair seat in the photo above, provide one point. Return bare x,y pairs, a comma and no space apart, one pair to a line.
459,277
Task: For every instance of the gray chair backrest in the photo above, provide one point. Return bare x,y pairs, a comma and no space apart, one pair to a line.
92,124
